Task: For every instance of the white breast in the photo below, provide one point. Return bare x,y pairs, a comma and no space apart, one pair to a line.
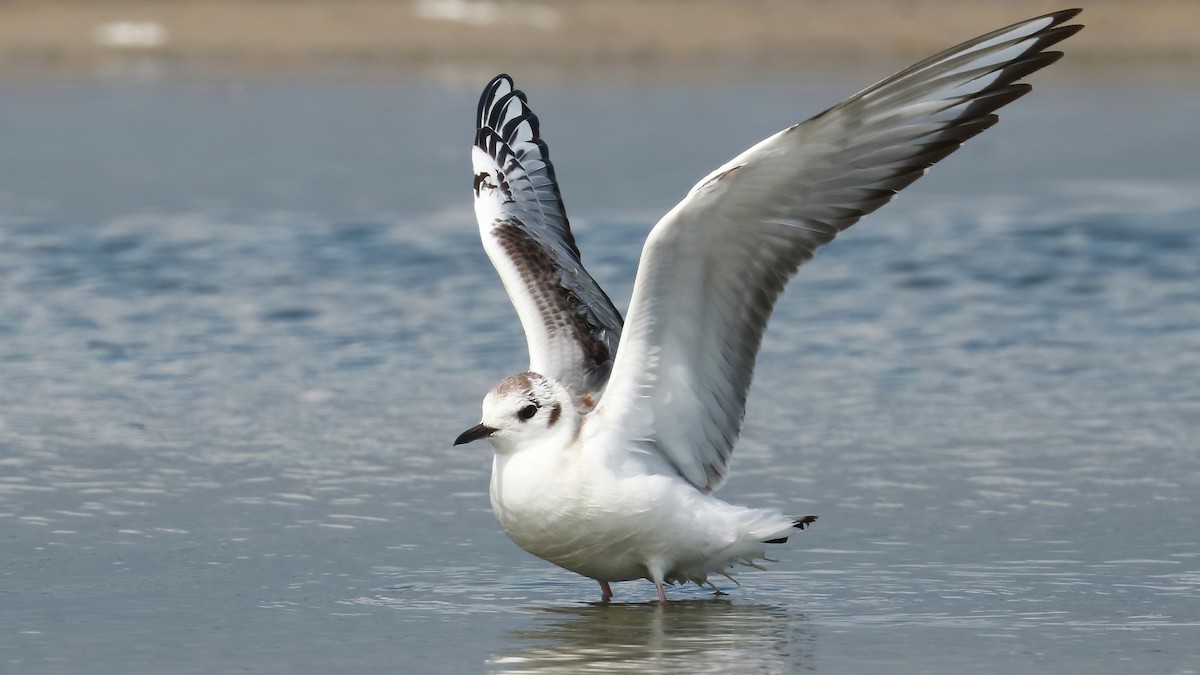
590,522
563,512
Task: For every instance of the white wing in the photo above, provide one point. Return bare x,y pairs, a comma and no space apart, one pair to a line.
713,267
570,324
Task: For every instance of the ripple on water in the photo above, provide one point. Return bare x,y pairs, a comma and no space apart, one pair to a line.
226,436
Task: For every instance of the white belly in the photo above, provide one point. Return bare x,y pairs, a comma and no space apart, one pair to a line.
586,521
554,521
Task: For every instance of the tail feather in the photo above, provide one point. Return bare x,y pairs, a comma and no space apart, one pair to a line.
803,522
799,523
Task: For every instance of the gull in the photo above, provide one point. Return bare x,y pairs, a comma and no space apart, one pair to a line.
609,449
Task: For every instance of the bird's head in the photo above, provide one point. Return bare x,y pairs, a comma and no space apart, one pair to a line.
524,411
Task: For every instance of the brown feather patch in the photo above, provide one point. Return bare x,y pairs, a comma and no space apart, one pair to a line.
561,309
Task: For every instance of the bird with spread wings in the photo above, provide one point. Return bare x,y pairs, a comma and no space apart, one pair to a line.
664,392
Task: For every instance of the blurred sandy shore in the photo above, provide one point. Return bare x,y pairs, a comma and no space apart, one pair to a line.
566,37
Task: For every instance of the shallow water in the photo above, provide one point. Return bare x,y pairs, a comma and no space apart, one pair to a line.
241,324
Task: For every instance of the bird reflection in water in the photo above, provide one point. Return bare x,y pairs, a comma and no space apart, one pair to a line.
692,636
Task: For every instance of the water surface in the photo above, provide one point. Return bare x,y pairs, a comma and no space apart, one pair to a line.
241,324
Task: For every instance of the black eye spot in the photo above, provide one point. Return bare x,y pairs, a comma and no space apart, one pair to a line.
527,412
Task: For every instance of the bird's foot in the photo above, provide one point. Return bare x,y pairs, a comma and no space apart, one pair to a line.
605,591
716,591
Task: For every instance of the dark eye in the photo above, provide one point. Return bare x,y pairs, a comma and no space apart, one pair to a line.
527,412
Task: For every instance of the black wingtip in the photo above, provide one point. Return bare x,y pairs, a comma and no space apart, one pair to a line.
501,82
1065,14
496,82
1057,18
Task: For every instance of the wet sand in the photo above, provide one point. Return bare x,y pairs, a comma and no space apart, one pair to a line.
665,37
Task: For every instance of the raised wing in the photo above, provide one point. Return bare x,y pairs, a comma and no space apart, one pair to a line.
570,324
713,267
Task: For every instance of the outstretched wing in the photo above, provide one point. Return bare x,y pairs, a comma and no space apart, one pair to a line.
713,267
570,324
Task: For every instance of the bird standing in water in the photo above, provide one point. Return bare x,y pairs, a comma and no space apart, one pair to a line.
608,450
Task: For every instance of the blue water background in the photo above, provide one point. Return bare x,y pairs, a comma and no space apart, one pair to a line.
241,322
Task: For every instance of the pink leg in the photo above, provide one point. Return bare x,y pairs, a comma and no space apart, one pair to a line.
605,592
658,569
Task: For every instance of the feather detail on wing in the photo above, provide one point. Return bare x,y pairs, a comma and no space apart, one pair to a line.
712,268
571,326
